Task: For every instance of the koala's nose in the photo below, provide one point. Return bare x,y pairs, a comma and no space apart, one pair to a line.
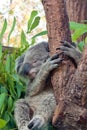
26,68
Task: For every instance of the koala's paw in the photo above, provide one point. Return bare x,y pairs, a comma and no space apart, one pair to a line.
53,62
70,50
36,123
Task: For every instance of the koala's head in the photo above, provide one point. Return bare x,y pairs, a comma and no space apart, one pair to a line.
34,57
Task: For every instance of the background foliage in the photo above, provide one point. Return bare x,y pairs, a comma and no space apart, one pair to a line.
11,88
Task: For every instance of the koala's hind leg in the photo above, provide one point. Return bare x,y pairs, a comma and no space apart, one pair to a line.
22,114
44,112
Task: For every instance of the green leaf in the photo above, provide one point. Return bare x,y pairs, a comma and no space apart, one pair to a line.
78,33
2,100
16,77
32,16
86,40
12,29
10,103
2,123
24,42
6,116
3,89
40,34
19,88
81,45
8,64
3,29
75,25
0,50
35,23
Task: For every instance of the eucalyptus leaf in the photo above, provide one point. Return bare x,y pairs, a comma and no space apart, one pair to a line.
24,42
0,50
8,63
40,34
35,23
78,33
74,25
3,29
6,116
10,104
2,100
86,40
81,45
12,29
2,123
32,17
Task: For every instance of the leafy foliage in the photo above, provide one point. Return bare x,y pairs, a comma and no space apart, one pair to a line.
11,88
78,30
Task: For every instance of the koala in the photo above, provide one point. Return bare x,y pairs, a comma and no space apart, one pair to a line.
35,65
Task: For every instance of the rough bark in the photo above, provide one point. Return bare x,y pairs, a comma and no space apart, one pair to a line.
58,30
69,86
75,113
58,27
77,12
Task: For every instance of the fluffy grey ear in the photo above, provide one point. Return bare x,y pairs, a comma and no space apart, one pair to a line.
17,67
19,62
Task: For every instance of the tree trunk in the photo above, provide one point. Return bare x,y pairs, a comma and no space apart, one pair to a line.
69,86
58,30
77,12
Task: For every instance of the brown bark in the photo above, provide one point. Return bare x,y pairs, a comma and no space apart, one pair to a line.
58,30
75,114
58,27
77,12
69,86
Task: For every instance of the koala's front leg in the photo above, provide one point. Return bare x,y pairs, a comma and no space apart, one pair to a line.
38,83
70,50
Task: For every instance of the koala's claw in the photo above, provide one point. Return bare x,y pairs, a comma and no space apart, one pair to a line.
56,56
70,50
57,61
53,63
67,44
36,123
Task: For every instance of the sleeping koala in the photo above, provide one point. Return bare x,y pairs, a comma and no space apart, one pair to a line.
35,65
